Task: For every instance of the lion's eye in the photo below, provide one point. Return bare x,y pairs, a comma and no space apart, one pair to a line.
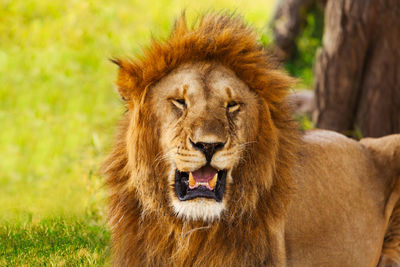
179,103
232,106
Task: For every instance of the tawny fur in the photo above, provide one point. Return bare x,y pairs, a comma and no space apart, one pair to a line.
391,245
386,152
145,231
251,230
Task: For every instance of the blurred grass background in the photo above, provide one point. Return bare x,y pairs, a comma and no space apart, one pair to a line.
59,110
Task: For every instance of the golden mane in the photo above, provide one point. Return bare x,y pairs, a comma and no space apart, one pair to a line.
222,38
145,231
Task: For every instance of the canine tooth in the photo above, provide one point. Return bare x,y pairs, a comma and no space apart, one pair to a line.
192,182
213,181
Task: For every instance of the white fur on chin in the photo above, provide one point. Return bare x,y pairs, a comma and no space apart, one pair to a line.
198,209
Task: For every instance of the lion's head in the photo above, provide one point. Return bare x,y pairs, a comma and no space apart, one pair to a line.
208,118
207,142
207,133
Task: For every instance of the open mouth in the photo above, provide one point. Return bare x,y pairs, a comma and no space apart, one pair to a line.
205,182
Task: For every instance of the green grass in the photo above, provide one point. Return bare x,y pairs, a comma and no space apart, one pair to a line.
58,113
54,242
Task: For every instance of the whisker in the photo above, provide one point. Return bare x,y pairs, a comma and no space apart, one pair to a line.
245,144
162,157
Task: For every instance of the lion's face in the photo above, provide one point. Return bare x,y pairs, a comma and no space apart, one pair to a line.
208,117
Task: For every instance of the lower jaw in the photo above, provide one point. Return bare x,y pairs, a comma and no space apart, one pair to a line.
201,209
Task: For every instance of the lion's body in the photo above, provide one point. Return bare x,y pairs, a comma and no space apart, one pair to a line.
276,198
337,217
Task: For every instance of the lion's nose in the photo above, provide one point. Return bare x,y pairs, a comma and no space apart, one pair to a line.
208,149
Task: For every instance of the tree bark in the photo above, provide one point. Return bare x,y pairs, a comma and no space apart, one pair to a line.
289,18
288,21
357,72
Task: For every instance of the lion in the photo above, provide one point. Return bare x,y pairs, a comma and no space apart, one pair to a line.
209,169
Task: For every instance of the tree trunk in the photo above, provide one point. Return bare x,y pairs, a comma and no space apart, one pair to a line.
357,72
287,22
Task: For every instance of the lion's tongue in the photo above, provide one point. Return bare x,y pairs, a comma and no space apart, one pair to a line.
206,176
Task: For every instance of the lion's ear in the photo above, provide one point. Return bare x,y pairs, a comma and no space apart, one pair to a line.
127,79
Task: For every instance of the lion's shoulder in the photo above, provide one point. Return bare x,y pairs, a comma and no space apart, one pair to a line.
330,144
327,138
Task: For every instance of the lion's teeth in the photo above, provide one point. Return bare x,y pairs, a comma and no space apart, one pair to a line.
210,184
213,181
192,182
